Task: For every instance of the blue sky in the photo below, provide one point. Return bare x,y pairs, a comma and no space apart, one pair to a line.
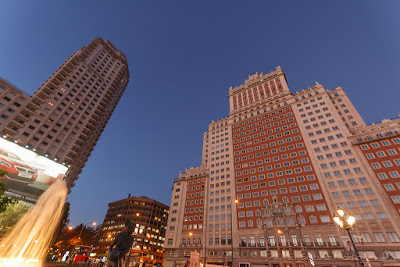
183,56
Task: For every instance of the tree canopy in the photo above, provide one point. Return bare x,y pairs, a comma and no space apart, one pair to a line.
5,201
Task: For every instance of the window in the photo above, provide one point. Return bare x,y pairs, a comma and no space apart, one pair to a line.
362,203
325,218
396,199
381,215
376,165
369,216
351,204
379,237
375,202
387,164
362,180
310,208
368,191
393,237
389,187
382,176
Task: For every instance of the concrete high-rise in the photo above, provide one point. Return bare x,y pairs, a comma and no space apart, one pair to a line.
150,219
65,117
273,173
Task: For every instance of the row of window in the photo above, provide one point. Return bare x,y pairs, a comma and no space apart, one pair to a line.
350,182
298,179
378,144
381,154
281,121
392,174
352,204
356,192
259,112
386,164
390,187
274,183
189,227
379,135
222,216
222,199
228,190
278,173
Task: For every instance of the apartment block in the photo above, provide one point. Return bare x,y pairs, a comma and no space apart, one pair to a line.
275,170
150,219
65,117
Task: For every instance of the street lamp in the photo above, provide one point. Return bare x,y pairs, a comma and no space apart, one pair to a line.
347,223
236,201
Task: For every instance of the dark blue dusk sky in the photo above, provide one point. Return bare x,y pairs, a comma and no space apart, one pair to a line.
183,56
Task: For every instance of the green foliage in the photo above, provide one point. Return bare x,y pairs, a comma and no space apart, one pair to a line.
2,173
5,201
11,216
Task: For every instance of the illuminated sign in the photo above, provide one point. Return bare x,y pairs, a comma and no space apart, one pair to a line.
28,174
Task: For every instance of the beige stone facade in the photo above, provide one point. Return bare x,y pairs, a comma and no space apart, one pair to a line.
65,117
291,150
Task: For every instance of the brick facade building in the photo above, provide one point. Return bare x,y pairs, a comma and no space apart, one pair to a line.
300,153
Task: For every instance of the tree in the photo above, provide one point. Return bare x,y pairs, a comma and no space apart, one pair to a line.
80,235
11,216
5,201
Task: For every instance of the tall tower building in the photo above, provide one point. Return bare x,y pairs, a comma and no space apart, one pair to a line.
275,170
65,117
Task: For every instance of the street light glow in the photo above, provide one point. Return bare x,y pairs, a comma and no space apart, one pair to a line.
340,212
336,219
236,201
351,220
347,223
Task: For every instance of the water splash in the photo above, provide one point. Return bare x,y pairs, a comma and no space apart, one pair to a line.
27,243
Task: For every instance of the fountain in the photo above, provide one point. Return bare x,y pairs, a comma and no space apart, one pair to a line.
27,243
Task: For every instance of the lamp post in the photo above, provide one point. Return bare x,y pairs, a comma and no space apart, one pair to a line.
347,223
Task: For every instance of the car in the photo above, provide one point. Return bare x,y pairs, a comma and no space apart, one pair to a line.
16,169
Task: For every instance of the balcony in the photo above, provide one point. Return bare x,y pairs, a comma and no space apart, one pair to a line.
73,153
69,158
